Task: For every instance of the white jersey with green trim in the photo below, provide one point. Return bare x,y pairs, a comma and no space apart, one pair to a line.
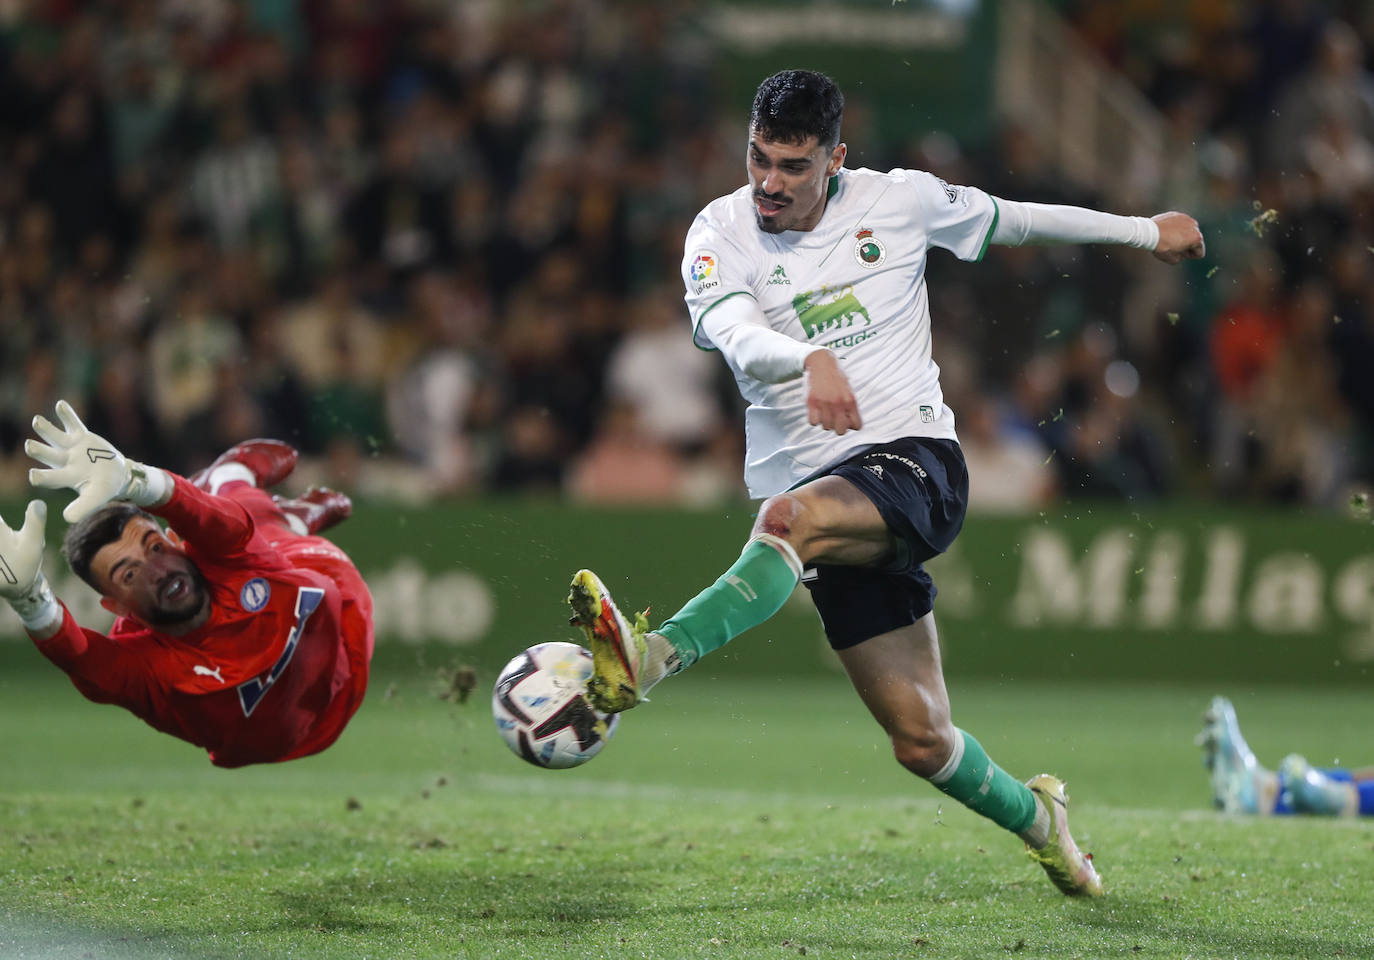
855,284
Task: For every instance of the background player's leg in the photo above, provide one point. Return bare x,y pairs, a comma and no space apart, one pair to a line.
1303,788
899,676
1240,783
1363,779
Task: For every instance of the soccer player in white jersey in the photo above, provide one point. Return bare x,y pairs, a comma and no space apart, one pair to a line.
810,283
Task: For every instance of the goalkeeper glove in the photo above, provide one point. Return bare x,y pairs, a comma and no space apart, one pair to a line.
21,580
90,465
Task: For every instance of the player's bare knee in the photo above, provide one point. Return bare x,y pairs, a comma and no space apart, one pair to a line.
782,516
923,751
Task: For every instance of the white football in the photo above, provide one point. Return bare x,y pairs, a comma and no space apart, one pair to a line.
541,710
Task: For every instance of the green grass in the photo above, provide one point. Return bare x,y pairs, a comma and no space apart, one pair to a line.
727,819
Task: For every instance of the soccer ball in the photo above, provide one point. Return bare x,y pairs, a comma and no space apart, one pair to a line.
541,711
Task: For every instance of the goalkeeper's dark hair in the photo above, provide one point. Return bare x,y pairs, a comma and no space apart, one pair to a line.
794,105
85,537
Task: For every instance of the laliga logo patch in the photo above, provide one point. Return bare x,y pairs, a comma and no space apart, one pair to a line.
869,250
703,266
703,270
254,594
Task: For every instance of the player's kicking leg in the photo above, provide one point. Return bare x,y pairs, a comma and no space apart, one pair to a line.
629,659
1069,869
1239,783
618,646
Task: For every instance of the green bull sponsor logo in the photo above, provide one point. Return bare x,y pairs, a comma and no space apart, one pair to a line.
831,315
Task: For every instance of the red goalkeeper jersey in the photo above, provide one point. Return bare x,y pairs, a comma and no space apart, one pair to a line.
281,664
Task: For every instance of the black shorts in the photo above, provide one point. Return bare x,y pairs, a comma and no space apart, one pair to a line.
920,486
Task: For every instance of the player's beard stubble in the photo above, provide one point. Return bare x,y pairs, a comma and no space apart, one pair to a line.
184,605
774,223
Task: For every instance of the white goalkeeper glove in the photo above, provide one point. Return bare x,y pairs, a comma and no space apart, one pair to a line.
90,465
21,576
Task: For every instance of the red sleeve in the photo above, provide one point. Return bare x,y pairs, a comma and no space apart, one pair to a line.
102,669
213,524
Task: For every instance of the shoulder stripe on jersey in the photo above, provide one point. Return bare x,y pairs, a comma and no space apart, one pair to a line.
696,327
996,215
857,223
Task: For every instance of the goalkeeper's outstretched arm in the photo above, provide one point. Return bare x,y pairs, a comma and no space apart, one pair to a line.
22,583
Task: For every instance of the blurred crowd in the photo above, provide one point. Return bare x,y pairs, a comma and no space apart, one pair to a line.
1267,352
437,247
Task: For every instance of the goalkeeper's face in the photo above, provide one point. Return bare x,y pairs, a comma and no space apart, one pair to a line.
145,575
789,181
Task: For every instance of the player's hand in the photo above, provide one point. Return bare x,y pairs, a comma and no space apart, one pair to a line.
830,402
21,552
1179,238
79,460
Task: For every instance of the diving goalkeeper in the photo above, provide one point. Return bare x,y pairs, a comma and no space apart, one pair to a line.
237,628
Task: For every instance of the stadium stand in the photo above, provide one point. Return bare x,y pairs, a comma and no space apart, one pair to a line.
431,245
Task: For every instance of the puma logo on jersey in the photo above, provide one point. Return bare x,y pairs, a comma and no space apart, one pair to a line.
816,318
200,671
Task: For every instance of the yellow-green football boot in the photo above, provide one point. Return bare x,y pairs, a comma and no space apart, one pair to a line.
1069,869
618,648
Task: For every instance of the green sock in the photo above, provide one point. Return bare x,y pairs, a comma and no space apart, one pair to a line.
744,596
984,787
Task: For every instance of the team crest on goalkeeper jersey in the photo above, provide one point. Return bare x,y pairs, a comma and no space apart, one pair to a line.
868,249
255,594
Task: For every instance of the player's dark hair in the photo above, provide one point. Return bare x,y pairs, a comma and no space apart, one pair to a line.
85,537
794,105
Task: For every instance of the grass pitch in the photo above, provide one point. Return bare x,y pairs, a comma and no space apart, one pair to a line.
727,819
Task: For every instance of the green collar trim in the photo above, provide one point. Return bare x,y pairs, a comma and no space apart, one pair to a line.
833,187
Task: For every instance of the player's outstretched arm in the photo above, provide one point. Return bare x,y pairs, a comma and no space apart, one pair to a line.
22,583
1171,237
85,462
1179,238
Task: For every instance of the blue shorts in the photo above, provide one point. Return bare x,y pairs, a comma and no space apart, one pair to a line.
920,487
